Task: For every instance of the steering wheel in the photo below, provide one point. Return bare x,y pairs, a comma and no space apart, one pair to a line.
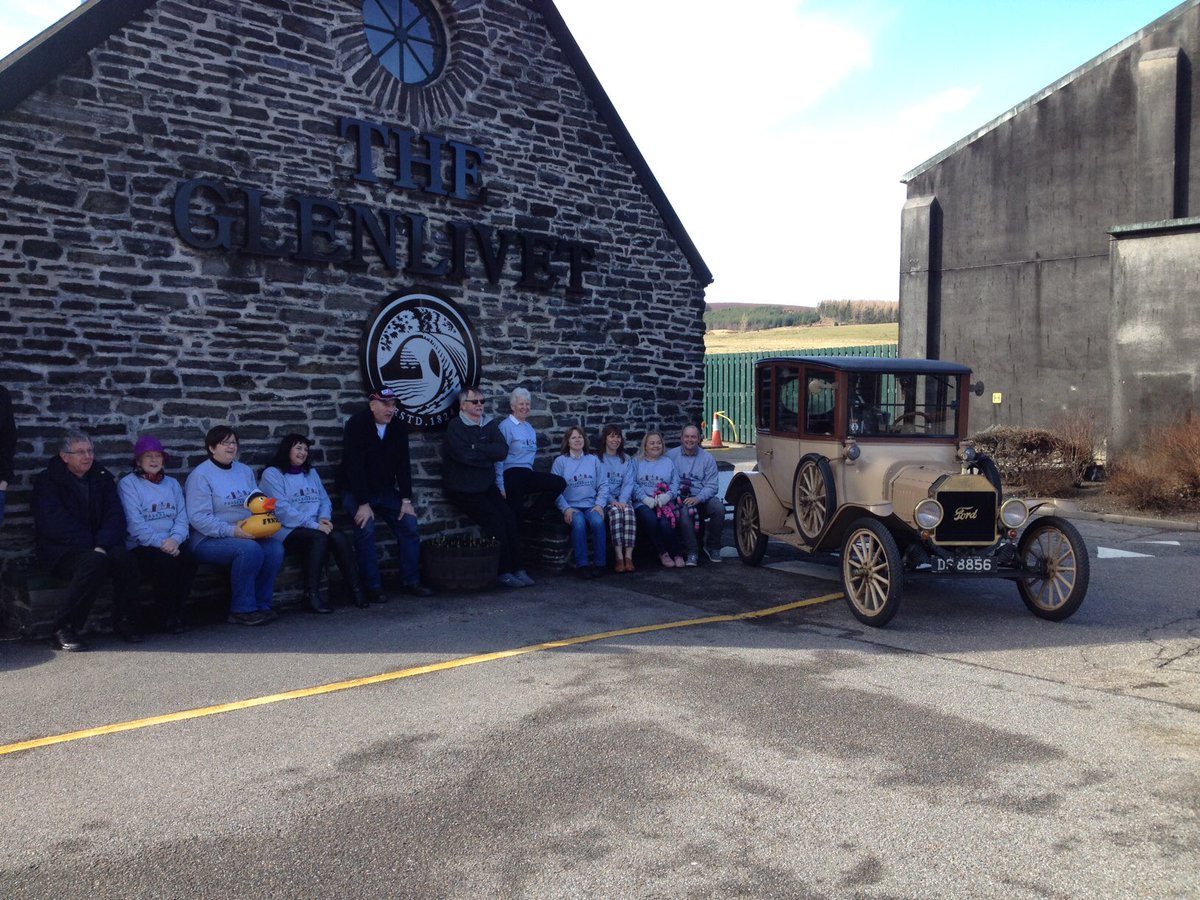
911,416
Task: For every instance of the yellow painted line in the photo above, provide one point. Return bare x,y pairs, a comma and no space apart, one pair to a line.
300,693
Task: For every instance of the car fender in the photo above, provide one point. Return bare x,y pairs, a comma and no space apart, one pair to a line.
835,528
771,513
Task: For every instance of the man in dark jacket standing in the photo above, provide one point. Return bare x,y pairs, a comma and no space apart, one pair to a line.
375,481
8,444
80,536
473,446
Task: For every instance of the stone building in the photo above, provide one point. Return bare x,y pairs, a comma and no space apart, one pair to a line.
1055,249
243,211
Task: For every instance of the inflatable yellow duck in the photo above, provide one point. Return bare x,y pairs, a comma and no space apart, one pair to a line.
263,523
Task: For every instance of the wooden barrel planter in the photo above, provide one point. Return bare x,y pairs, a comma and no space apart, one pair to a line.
460,563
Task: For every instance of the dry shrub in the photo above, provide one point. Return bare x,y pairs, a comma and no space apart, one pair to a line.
1045,461
1163,473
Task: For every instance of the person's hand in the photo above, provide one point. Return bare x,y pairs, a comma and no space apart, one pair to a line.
690,501
170,547
100,550
325,526
599,509
502,494
364,515
240,532
569,514
3,485
406,509
619,505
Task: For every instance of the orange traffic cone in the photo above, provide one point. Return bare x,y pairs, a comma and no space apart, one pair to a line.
716,433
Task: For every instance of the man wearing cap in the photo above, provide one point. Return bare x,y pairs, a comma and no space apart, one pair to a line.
375,481
698,486
80,537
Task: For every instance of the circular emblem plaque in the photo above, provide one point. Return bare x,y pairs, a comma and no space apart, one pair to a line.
424,348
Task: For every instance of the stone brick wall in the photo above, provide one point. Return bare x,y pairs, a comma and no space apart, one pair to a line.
109,321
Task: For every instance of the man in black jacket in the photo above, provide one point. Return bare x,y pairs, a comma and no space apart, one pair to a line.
473,446
375,482
8,443
80,537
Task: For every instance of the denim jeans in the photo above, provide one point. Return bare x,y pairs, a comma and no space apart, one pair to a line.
408,540
587,521
253,566
712,513
659,529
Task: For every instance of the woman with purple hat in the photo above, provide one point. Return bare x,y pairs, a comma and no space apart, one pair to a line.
158,529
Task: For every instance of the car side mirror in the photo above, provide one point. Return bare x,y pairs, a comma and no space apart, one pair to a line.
977,388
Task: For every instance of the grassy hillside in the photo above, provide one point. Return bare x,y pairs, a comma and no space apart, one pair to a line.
805,338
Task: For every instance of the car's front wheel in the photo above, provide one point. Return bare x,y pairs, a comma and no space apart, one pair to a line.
1054,548
747,534
872,572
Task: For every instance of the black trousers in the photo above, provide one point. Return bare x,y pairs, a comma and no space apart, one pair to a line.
542,488
314,547
86,571
171,577
490,512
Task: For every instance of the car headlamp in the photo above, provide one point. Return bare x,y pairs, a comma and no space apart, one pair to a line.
1014,512
928,513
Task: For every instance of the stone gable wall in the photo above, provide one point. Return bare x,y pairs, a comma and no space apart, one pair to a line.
109,321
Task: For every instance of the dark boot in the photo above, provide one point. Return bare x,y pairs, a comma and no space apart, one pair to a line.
314,566
317,602
343,557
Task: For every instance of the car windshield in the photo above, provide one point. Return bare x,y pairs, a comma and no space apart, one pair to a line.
903,403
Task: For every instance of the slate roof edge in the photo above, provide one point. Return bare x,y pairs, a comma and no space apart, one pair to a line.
48,54
610,116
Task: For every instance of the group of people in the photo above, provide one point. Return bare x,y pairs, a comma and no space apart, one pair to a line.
91,528
602,496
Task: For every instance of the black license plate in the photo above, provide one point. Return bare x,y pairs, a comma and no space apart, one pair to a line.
964,565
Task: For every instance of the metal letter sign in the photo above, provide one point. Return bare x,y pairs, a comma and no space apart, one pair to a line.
424,348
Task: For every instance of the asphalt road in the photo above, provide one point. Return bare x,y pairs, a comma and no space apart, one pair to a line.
967,750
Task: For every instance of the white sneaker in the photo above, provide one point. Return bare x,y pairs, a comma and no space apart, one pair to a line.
522,576
713,555
691,559
509,580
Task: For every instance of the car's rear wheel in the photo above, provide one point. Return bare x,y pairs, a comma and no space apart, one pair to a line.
1056,550
813,496
872,572
747,534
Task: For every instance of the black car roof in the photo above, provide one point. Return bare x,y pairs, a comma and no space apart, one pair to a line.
875,364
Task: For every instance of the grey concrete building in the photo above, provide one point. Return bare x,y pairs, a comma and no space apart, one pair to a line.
240,211
1054,249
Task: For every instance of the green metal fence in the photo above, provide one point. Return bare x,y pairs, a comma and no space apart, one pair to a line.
729,383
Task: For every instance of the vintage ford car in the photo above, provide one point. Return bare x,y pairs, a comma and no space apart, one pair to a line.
869,458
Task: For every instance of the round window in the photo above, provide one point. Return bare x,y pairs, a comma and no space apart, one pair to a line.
406,37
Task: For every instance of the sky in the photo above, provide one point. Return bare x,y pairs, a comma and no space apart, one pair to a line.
780,129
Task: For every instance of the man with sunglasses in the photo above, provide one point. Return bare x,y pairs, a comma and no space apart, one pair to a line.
80,537
473,446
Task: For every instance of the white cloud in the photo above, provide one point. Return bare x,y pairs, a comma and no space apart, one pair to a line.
20,21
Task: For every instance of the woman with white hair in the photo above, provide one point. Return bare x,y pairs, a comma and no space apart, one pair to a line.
515,475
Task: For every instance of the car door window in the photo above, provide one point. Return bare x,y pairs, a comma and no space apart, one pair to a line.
821,402
787,399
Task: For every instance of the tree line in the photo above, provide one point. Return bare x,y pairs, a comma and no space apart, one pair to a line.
827,312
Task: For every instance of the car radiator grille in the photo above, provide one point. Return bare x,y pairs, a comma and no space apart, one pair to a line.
969,517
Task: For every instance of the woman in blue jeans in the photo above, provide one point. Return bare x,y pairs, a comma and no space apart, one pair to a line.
582,502
215,494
